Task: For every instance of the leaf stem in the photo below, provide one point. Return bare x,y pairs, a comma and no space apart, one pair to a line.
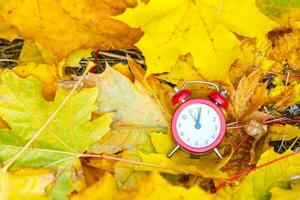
10,162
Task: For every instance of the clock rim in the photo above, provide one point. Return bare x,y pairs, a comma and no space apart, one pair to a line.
185,146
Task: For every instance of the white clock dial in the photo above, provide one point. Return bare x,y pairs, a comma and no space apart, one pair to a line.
198,125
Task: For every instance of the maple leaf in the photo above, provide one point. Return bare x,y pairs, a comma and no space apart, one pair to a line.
153,187
284,12
285,45
257,184
74,30
35,52
65,138
8,31
105,189
122,139
117,93
47,74
162,93
182,71
281,193
249,95
31,184
203,28
25,110
283,132
285,95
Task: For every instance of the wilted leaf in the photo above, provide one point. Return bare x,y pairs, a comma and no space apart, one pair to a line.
202,28
124,138
131,102
285,46
162,93
283,96
249,95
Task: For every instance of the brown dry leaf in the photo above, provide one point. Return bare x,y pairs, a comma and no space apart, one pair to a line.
96,30
285,46
285,95
249,95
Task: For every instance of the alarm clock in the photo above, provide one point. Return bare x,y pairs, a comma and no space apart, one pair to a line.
198,124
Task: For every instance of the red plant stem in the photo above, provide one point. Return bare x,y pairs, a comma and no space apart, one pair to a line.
245,172
95,61
282,120
242,142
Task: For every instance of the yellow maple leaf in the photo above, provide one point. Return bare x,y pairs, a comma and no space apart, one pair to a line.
105,189
283,132
283,194
70,33
257,184
47,74
203,28
285,95
151,188
30,183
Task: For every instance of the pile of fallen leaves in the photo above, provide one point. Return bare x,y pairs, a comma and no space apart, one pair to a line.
86,87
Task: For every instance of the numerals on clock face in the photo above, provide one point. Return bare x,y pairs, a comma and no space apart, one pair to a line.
198,125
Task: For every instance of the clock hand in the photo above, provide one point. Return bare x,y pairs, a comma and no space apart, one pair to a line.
193,117
198,125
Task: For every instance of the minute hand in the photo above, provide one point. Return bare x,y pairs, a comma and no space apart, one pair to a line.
198,125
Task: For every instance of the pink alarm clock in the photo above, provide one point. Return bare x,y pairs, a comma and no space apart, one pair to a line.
198,124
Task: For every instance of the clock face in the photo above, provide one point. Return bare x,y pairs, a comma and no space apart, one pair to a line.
198,125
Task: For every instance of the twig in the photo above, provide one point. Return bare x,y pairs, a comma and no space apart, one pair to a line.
8,60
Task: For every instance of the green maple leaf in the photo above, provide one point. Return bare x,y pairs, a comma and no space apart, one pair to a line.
70,133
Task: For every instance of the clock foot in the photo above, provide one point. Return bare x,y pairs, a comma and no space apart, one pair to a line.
218,153
173,151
